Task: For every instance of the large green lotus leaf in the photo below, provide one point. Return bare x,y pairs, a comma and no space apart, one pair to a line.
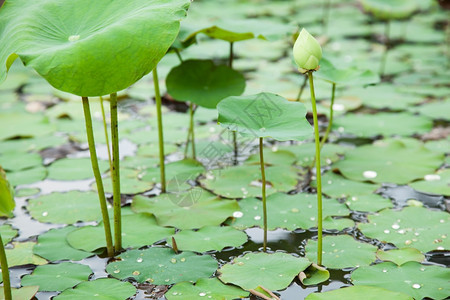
22,254
65,208
130,182
209,238
53,245
27,176
314,275
439,146
33,144
349,76
137,230
24,293
162,266
274,271
102,289
434,183
368,203
265,115
7,233
23,124
337,186
289,212
16,161
359,292
212,288
389,161
245,181
411,278
177,209
436,110
203,83
74,169
273,157
416,227
305,153
366,125
342,251
7,203
401,256
57,277
390,9
89,48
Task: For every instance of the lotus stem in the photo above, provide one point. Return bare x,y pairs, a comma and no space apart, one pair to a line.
162,165
116,174
387,30
235,144
302,88
330,121
98,177
263,191
105,127
5,272
318,170
191,126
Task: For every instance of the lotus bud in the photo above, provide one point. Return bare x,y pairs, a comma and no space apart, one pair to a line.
307,52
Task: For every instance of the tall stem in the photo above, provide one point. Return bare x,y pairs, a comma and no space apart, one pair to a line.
318,174
263,191
162,165
230,58
116,174
105,127
330,121
191,126
98,177
387,29
302,88
235,144
5,272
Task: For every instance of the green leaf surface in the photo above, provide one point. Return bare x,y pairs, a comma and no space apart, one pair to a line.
401,256
24,293
137,230
203,83
22,124
265,115
16,161
68,44
358,292
208,238
177,209
74,169
102,289
390,9
53,245
65,208
342,251
435,110
7,233
212,288
57,277
313,275
416,227
412,278
274,271
130,182
161,266
369,203
273,157
27,176
437,183
337,186
7,203
329,154
22,254
349,76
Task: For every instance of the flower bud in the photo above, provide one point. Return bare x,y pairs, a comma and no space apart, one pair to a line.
307,52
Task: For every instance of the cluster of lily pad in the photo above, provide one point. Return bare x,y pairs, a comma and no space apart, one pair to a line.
183,202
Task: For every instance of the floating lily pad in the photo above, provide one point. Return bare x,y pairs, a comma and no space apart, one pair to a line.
371,203
130,182
434,183
212,288
245,181
289,212
52,245
74,169
7,203
23,125
435,110
416,227
401,256
27,176
335,185
313,275
103,288
274,271
59,53
24,293
161,266
389,161
411,278
16,161
305,152
203,83
137,230
349,76
22,254
342,251
7,233
358,292
65,208
169,210
389,9
209,238
265,115
273,157
57,277
366,125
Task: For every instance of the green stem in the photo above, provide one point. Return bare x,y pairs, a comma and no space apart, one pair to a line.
263,191
230,58
386,47
318,170
105,127
235,145
302,88
116,174
177,52
330,121
162,165
5,272
188,139
191,126
98,177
